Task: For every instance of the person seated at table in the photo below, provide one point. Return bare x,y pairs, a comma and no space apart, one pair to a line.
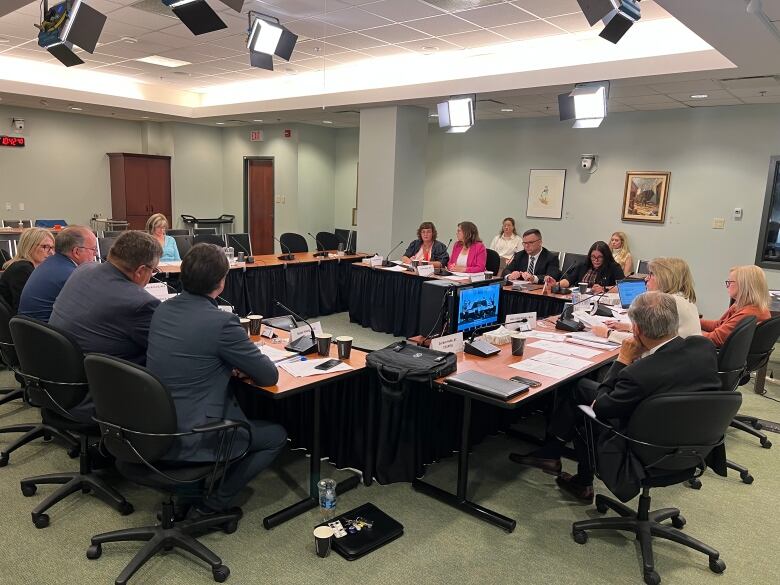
654,360
426,247
535,262
468,253
749,295
599,270
157,225
35,245
73,246
507,243
193,349
618,243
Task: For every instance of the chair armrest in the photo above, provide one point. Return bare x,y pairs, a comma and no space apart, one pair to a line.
221,425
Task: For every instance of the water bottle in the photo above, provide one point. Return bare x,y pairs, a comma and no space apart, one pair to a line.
229,253
327,491
575,297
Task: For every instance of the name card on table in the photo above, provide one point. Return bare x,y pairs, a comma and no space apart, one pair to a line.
301,331
453,342
425,270
521,321
376,261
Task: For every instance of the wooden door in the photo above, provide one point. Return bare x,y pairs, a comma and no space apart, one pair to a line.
260,204
136,186
159,170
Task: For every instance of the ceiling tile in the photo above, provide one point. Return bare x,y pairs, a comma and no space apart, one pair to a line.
386,50
401,10
758,92
349,57
547,8
712,103
670,106
186,55
305,8
496,15
445,24
319,48
477,38
142,18
354,19
430,46
621,91
719,94
651,11
647,100
528,30
766,99
571,22
314,29
395,33
698,86
131,50
353,40
131,30
166,40
616,107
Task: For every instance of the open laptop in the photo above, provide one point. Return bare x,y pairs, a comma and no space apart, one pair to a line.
629,289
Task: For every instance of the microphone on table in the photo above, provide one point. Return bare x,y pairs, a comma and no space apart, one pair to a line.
303,345
286,255
443,270
557,289
171,287
386,261
249,259
321,252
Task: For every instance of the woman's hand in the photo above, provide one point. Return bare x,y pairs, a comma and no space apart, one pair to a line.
457,268
597,289
406,259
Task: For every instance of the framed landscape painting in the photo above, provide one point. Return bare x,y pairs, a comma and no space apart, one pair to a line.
645,196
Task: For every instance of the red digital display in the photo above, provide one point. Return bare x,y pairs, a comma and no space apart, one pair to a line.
11,141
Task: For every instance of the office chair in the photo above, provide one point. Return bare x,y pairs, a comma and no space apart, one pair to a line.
177,232
670,435
327,239
201,231
137,418
342,235
209,239
104,246
643,267
293,243
8,356
570,260
5,256
493,262
240,243
183,243
32,430
53,370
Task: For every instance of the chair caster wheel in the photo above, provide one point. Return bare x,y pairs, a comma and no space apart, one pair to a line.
579,536
41,520
678,522
717,566
74,452
652,578
94,552
29,489
46,438
230,527
746,477
126,508
3,459
766,443
220,573
601,507
757,425
694,483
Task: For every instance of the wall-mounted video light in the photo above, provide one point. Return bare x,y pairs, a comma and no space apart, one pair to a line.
587,104
198,16
617,15
267,37
69,23
457,113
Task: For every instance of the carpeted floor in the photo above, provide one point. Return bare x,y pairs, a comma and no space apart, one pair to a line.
440,545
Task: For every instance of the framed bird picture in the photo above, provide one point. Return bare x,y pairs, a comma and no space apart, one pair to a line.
545,193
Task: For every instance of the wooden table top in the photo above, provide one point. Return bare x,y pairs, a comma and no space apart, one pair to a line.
537,293
267,260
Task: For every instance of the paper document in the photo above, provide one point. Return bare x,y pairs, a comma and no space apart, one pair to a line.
301,369
549,370
393,268
565,348
548,336
455,278
461,274
274,354
593,338
565,361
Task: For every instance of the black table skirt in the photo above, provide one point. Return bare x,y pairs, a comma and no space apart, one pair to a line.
388,302
517,302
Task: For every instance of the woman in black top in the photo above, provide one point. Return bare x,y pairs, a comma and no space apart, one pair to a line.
35,245
600,270
427,247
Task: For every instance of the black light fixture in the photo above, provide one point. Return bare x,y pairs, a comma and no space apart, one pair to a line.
618,16
267,37
69,23
198,16
586,105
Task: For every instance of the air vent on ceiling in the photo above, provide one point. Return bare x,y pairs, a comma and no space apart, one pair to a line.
751,82
453,5
154,7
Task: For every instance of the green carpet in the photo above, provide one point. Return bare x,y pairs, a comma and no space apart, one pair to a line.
440,545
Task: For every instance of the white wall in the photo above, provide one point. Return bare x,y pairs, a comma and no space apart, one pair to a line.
345,176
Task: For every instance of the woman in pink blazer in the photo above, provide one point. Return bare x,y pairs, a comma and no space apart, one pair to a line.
469,253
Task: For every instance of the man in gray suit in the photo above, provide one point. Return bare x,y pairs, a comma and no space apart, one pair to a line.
194,348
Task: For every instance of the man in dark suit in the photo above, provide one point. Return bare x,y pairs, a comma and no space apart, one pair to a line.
194,348
534,262
653,361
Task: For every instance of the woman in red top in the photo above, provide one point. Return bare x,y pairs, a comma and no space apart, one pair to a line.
750,294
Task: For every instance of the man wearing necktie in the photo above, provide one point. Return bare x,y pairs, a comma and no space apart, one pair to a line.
534,262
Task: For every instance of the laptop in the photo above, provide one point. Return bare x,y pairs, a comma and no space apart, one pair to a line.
487,385
629,289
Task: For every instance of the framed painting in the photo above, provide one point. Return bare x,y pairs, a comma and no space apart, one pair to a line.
545,193
645,196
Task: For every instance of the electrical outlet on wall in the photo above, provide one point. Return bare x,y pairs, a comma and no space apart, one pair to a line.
278,198
21,206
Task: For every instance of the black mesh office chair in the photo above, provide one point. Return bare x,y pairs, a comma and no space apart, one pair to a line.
53,369
328,240
207,231
293,243
643,267
240,243
8,355
493,262
30,431
177,232
137,418
104,246
570,260
5,255
183,243
208,239
670,435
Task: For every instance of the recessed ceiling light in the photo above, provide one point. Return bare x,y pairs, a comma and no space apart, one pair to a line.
699,96
144,117
129,40
220,123
429,48
76,109
327,122
256,120
507,110
433,115
163,61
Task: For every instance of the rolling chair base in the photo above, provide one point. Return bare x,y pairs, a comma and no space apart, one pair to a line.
744,475
645,524
34,431
751,426
166,536
9,394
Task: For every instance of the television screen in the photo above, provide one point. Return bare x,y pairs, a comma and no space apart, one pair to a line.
478,306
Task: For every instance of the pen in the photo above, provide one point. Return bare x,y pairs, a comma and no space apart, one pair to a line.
295,358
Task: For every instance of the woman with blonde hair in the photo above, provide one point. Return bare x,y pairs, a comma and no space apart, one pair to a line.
748,289
507,243
618,243
35,245
157,225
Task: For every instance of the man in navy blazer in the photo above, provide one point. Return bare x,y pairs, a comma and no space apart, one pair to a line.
194,347
534,262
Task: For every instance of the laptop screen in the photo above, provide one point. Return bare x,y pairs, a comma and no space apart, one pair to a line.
630,289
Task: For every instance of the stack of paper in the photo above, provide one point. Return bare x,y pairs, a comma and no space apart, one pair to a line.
305,367
274,354
551,364
566,349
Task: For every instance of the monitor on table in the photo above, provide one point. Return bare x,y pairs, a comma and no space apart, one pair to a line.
477,305
629,289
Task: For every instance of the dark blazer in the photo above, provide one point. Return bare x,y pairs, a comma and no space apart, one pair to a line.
546,264
608,275
193,348
13,280
43,286
438,251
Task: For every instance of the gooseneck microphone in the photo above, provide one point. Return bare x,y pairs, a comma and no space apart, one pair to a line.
320,252
303,345
286,256
170,287
386,261
557,288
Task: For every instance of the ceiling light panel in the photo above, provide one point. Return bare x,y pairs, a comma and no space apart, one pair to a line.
163,61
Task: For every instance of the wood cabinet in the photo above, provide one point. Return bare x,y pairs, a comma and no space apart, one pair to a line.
140,187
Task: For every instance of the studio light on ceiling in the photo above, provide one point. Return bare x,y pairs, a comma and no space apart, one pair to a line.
586,105
69,23
457,113
267,37
198,16
617,15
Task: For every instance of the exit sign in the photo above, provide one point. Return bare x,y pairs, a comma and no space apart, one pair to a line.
16,141
256,136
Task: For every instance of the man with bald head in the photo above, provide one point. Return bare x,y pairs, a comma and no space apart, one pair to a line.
73,246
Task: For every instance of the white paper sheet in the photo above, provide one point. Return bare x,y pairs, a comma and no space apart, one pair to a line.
393,268
301,369
565,361
593,338
274,354
461,274
566,348
549,370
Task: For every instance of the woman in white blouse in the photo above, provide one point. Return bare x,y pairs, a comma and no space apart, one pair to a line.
507,242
